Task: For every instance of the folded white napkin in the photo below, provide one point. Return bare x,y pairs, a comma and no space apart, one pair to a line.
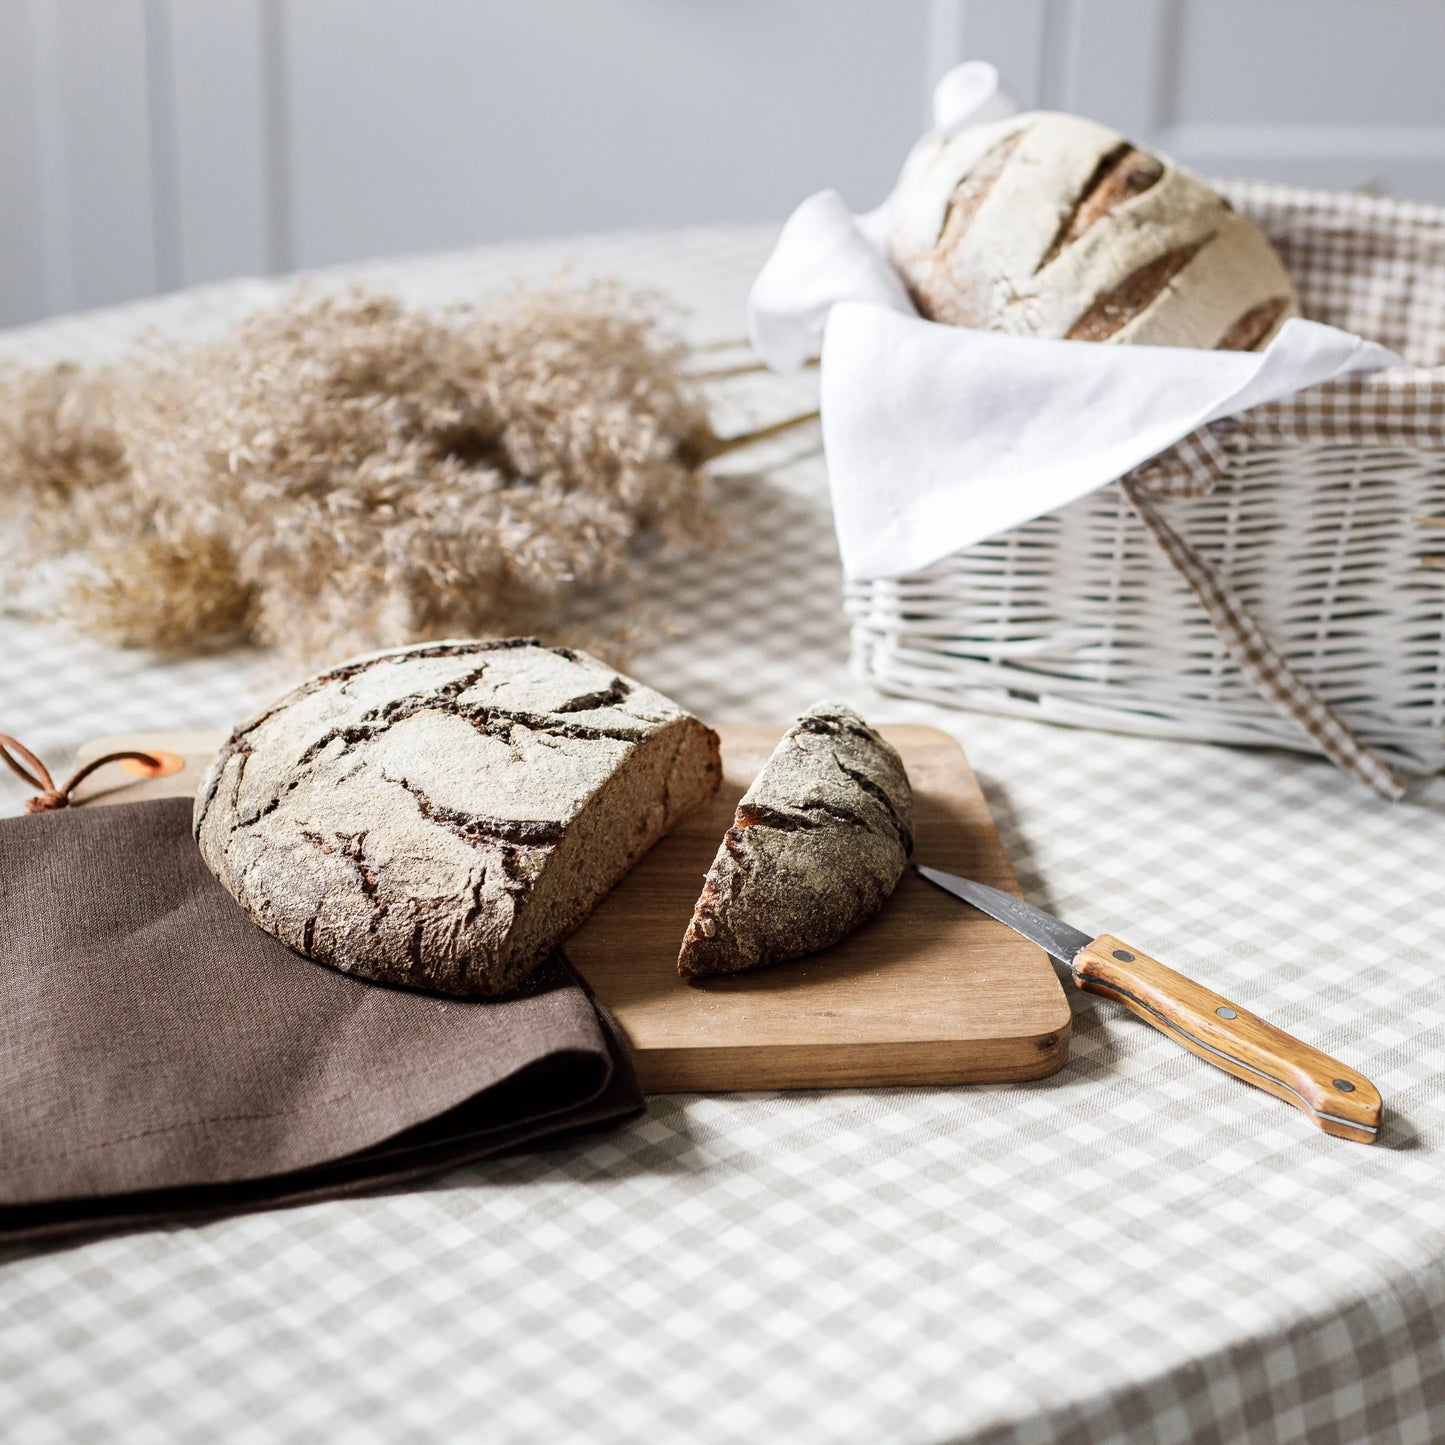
939,436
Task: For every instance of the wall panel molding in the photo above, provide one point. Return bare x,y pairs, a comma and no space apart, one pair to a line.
97,76
146,144
1116,62
1011,36
54,219
24,284
277,140
1310,142
223,213
160,82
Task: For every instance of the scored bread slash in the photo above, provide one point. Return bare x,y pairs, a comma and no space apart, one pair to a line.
817,845
441,816
1052,225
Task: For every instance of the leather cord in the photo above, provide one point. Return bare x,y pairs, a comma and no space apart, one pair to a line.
22,762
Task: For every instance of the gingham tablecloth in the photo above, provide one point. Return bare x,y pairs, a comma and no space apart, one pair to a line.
1139,1248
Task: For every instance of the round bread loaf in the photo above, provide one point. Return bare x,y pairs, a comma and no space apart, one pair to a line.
441,816
1051,225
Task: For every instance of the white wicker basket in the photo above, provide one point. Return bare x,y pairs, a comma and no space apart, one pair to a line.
1310,515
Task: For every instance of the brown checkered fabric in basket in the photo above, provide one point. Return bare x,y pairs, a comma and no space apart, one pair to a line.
1299,604
1375,267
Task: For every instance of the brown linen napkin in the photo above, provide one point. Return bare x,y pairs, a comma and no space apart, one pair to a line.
162,1058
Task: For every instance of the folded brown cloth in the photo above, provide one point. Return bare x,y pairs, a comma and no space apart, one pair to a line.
163,1058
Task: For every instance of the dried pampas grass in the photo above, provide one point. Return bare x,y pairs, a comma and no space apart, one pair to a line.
342,473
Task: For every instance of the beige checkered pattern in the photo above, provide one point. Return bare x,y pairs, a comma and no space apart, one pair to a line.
1139,1249
1367,265
1190,468
1375,267
1260,660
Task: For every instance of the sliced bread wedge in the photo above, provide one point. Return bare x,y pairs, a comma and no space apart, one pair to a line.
818,843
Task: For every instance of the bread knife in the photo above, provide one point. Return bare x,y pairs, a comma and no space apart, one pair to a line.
1332,1095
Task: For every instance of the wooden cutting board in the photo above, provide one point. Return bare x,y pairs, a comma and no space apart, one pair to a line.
929,992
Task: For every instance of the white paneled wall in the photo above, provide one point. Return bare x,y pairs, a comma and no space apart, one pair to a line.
418,123
148,144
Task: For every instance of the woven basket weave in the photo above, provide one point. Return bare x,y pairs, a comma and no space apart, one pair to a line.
1313,513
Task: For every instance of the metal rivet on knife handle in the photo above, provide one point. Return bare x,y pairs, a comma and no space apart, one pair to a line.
1249,1048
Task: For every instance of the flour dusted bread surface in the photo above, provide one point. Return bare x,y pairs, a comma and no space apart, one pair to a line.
440,816
1051,225
818,843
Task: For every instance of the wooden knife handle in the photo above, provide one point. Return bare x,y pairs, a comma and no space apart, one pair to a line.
1336,1098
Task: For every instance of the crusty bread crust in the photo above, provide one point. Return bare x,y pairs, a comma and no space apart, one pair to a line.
818,843
1051,225
441,816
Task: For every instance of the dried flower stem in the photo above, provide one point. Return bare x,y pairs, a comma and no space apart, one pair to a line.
747,368
715,447
750,368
